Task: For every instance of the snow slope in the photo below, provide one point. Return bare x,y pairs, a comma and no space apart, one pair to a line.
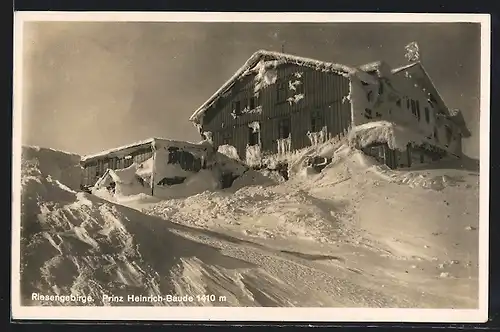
411,234
354,235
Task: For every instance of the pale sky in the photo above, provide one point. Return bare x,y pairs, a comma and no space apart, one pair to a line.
91,86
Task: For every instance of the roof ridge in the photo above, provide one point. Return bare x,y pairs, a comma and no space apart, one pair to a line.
254,58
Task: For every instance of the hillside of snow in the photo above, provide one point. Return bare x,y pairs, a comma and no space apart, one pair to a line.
355,234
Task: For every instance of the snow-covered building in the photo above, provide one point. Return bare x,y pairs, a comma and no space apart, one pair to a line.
277,103
152,162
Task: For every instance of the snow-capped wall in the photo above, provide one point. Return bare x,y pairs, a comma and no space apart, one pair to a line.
172,162
397,98
397,137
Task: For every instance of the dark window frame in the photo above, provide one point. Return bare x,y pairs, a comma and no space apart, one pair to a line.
284,123
227,138
253,136
236,104
436,134
449,134
427,115
281,91
252,102
317,121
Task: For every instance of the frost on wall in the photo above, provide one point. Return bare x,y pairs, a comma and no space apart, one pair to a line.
208,136
255,126
199,122
292,85
295,99
284,145
229,151
255,110
266,74
374,102
247,110
233,114
318,137
253,156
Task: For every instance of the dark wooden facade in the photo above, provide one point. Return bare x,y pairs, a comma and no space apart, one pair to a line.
94,168
323,104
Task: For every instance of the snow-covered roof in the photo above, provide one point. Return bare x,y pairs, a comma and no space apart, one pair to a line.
123,147
268,56
133,145
371,66
400,69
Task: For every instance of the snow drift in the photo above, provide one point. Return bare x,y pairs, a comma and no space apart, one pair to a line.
77,244
354,234
61,167
396,137
365,212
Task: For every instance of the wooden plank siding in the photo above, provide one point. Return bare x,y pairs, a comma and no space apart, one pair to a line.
323,92
93,169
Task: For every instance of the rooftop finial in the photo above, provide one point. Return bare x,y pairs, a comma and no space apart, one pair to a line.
412,52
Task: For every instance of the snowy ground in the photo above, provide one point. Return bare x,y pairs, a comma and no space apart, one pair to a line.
354,235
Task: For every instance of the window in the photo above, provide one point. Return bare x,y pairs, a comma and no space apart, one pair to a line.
252,103
317,121
128,161
413,107
432,100
417,104
380,88
436,136
186,160
398,102
253,136
427,115
227,137
369,96
281,92
407,103
449,134
284,128
237,107
99,168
